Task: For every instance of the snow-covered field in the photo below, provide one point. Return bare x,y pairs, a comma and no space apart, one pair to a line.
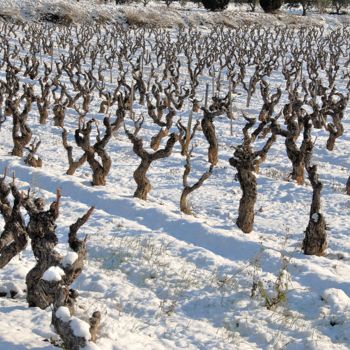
166,280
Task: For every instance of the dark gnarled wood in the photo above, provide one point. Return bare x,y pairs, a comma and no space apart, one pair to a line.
100,168
21,132
315,241
347,189
208,128
143,184
32,159
294,122
73,164
14,237
246,161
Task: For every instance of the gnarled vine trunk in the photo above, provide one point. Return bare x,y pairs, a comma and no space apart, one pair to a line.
246,161
143,184
315,241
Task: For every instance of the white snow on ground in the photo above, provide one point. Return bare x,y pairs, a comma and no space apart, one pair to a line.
164,280
91,346
339,305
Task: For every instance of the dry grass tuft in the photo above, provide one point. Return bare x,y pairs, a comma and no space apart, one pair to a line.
151,17
9,14
61,12
134,18
102,17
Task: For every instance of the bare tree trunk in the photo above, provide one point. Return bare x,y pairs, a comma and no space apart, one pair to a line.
348,186
143,184
63,326
32,158
294,153
73,165
184,205
297,159
157,139
43,291
335,131
41,230
315,241
99,172
209,132
14,237
245,218
100,169
21,134
304,7
59,112
247,181
186,135
43,111
246,161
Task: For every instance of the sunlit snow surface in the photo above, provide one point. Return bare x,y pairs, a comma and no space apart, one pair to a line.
164,280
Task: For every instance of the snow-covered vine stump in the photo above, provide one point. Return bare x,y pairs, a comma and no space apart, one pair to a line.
74,332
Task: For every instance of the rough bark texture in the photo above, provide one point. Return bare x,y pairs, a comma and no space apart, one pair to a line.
21,132
186,136
32,158
270,101
247,180
209,133
143,184
164,131
157,119
335,130
157,139
43,106
245,160
43,293
294,128
336,105
100,169
64,296
315,241
73,164
348,186
65,331
41,230
59,113
14,237
187,190
43,101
